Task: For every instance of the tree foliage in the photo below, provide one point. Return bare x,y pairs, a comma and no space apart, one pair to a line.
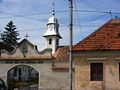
10,36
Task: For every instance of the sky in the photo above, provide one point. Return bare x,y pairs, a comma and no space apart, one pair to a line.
31,17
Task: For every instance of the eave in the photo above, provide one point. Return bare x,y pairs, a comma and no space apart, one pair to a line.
31,58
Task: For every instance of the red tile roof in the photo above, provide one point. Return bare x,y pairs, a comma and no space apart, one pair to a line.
107,37
61,54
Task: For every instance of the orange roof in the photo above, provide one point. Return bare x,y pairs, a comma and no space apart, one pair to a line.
107,37
32,58
61,54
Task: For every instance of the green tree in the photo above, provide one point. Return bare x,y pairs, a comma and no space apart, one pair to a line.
10,36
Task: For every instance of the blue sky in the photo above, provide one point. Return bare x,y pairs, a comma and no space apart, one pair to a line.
35,25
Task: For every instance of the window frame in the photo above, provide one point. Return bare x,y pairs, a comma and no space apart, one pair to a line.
119,71
97,70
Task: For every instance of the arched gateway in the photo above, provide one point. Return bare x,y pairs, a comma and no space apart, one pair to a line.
24,66
22,77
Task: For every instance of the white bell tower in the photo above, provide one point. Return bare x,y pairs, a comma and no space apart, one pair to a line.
52,34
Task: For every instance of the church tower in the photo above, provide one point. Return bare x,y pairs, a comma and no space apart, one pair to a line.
52,34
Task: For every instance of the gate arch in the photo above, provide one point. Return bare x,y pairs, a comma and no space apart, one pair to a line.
22,77
29,65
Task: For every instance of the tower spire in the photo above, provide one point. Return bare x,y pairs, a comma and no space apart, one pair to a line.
52,34
53,11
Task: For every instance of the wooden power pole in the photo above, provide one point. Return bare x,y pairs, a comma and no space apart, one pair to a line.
71,45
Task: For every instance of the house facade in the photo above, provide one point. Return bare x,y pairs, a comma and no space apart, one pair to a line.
25,68
97,59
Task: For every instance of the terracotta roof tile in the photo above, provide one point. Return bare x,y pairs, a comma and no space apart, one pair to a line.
107,37
61,54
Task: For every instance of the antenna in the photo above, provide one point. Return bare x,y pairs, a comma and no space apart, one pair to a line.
110,12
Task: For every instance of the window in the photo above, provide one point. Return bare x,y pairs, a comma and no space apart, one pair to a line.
96,71
24,48
57,42
50,41
118,35
119,71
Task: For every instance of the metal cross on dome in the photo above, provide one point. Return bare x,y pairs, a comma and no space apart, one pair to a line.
53,4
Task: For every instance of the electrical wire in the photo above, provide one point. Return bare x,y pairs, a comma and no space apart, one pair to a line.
21,30
31,29
77,14
62,11
20,16
89,4
96,18
26,16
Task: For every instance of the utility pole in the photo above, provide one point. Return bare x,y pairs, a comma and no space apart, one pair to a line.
71,45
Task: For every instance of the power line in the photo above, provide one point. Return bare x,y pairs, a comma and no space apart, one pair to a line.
88,25
38,29
77,14
61,25
22,15
91,11
19,16
26,16
62,11
94,11
31,29
98,17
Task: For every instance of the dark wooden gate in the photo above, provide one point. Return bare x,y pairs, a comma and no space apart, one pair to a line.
23,77
2,85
